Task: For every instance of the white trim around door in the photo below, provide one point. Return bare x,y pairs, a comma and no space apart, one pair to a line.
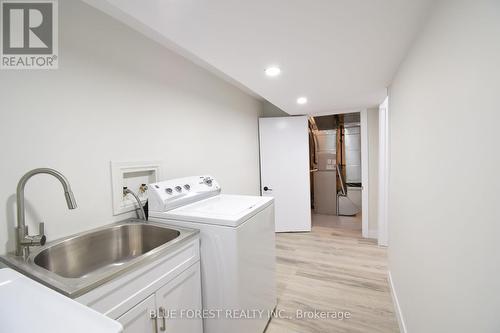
365,207
383,174
365,232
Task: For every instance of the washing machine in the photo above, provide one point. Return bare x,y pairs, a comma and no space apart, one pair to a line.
237,247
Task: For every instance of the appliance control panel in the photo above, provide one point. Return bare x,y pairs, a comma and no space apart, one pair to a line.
173,193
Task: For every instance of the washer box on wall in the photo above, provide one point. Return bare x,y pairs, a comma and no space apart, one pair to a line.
131,175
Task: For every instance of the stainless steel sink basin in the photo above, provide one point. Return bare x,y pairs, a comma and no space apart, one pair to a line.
114,246
77,264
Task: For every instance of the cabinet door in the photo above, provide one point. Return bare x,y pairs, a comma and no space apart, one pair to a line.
137,319
180,299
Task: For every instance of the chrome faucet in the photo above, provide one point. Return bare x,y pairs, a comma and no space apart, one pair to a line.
23,239
139,203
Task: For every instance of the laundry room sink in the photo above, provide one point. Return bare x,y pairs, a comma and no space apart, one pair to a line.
77,264
112,246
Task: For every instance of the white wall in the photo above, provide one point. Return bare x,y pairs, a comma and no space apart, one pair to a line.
372,115
444,211
116,96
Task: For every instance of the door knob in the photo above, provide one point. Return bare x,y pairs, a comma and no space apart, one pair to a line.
267,188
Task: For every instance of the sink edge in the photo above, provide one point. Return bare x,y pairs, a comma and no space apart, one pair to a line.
75,287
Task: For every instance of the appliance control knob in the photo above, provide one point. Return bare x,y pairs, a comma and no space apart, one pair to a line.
208,181
178,188
168,190
187,187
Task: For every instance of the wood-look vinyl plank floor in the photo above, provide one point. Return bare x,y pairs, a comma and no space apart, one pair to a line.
332,269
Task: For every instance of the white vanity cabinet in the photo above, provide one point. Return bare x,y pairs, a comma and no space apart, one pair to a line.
138,318
175,305
181,299
169,287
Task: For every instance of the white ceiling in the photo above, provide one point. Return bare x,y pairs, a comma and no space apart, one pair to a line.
341,54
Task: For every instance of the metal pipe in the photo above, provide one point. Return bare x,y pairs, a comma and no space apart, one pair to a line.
343,191
342,185
128,191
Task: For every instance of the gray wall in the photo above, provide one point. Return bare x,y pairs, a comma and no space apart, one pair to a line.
271,110
116,96
444,212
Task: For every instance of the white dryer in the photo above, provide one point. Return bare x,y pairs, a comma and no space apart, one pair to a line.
237,245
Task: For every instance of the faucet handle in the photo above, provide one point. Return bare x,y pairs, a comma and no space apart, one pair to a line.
41,238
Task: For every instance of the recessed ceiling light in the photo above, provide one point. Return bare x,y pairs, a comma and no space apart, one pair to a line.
273,71
302,100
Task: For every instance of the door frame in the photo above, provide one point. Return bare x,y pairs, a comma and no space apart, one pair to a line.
365,171
365,204
383,173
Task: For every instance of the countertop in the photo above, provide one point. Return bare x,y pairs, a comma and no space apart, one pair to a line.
28,306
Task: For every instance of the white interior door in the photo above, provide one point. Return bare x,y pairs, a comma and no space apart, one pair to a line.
284,163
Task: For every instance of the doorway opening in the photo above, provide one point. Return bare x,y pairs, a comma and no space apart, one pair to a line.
336,177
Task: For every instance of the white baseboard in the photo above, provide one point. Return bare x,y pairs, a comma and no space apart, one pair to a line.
372,234
397,308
